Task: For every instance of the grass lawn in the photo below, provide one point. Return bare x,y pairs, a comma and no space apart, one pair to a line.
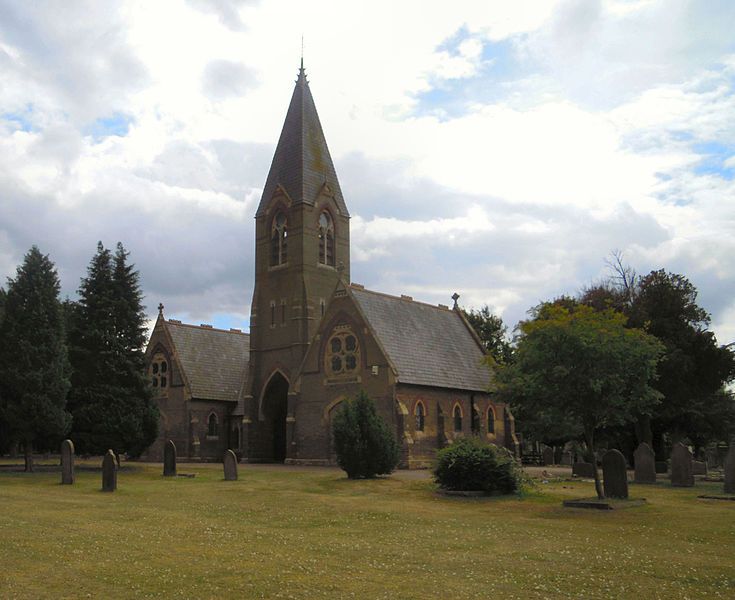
310,533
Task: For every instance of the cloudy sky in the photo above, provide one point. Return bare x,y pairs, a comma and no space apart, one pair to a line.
500,150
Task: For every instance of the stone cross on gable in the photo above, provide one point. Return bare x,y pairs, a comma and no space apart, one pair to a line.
455,297
160,309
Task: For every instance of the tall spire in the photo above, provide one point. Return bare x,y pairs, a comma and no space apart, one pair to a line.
302,165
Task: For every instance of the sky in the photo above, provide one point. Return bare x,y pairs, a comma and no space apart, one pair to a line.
500,150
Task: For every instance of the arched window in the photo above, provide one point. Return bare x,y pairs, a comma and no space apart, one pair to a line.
326,239
279,240
159,371
212,425
420,413
457,414
342,355
491,420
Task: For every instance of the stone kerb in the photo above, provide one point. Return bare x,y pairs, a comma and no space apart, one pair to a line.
730,470
230,466
615,474
645,464
67,462
169,459
681,466
109,472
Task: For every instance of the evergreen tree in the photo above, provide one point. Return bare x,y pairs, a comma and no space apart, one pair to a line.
492,333
111,400
34,366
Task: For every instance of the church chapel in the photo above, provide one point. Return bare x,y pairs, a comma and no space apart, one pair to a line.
317,339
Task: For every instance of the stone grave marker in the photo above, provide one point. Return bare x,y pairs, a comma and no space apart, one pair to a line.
730,470
566,459
547,456
615,474
67,462
230,465
699,467
681,466
109,472
645,464
583,469
169,459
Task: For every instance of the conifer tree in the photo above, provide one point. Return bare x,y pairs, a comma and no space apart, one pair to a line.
111,400
34,366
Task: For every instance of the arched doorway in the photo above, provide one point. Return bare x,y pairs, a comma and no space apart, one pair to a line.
274,410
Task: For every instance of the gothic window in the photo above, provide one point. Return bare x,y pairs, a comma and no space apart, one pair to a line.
279,240
158,371
342,355
457,414
490,420
475,423
326,239
212,425
420,413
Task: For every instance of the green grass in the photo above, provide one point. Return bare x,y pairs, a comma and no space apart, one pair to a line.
311,533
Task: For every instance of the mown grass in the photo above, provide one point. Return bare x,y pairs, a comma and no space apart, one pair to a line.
279,533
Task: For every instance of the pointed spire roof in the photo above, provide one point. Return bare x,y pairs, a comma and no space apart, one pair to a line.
302,164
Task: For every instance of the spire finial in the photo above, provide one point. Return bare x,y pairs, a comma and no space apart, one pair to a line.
455,297
302,51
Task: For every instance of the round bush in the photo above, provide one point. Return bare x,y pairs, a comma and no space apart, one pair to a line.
471,464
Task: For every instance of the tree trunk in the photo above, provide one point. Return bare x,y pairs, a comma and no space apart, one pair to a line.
28,448
589,436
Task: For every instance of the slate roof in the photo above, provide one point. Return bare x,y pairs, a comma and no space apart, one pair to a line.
302,163
428,345
214,361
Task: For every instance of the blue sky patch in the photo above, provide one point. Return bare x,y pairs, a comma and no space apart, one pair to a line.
713,157
116,124
20,119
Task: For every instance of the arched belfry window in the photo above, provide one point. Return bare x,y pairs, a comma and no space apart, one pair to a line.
279,239
326,239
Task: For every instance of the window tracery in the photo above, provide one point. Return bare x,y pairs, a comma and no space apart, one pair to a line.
159,371
279,239
326,239
342,355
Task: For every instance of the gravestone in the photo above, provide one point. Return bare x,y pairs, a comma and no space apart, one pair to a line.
566,459
230,464
557,455
662,466
169,459
583,469
681,466
645,464
614,474
547,456
730,470
699,467
67,462
109,472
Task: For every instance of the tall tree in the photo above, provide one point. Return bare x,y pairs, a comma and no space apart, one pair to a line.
34,366
111,400
581,369
492,333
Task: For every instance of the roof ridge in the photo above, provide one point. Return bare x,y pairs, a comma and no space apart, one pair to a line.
361,288
208,328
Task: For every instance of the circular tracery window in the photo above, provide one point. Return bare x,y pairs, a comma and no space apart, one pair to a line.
343,352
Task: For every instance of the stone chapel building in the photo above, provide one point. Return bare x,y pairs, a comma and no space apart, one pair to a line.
316,339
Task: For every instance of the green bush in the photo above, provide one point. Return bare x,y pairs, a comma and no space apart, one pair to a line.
364,445
471,464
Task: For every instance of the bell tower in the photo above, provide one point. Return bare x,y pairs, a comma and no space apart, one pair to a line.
302,249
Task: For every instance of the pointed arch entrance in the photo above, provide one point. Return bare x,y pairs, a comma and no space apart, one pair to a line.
274,409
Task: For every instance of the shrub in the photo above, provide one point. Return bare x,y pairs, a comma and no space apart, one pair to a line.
363,442
471,464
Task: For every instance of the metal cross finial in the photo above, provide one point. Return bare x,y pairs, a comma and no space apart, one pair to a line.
160,309
455,297
302,51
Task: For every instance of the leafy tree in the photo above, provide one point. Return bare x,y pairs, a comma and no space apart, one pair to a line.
364,445
492,333
583,369
111,400
34,367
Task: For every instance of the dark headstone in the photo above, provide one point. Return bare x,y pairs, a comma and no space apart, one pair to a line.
566,459
557,455
109,472
583,469
230,464
547,456
681,466
67,462
615,474
169,459
662,466
730,470
699,467
645,464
